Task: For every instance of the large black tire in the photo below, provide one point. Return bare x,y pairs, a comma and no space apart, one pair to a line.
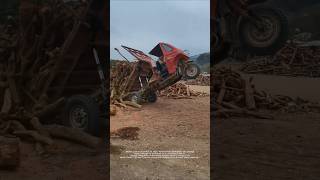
192,71
269,40
136,97
152,97
82,112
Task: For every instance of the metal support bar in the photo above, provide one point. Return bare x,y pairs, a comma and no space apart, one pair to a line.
140,82
101,74
121,54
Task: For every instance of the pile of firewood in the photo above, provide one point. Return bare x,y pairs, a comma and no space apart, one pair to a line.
180,91
29,51
235,95
122,78
201,80
119,77
291,60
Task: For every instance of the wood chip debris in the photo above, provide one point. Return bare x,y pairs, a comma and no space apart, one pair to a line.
291,60
180,91
201,80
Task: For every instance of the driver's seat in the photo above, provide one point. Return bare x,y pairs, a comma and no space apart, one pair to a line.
162,68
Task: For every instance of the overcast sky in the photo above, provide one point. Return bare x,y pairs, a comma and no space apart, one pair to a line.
141,24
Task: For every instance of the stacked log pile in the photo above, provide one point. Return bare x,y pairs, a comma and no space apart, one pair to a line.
119,78
201,80
123,75
291,60
234,95
29,51
180,91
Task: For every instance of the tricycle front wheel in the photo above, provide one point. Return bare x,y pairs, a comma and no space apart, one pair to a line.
192,71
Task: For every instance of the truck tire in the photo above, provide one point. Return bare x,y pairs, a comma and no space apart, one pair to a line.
136,97
192,71
152,97
270,38
82,112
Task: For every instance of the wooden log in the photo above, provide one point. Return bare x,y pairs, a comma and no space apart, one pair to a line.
249,95
120,105
17,126
51,108
35,122
9,153
35,136
188,91
74,135
129,103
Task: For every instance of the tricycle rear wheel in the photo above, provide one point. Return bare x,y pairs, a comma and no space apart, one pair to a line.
82,112
152,97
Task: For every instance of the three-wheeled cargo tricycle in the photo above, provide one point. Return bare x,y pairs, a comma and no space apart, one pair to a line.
149,76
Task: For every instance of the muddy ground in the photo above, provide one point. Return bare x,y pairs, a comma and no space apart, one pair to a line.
165,125
285,148
63,161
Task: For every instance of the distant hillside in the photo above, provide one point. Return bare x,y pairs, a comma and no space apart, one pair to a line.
194,57
203,60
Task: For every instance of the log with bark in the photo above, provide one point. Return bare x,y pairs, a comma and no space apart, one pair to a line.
30,48
119,79
74,135
122,81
